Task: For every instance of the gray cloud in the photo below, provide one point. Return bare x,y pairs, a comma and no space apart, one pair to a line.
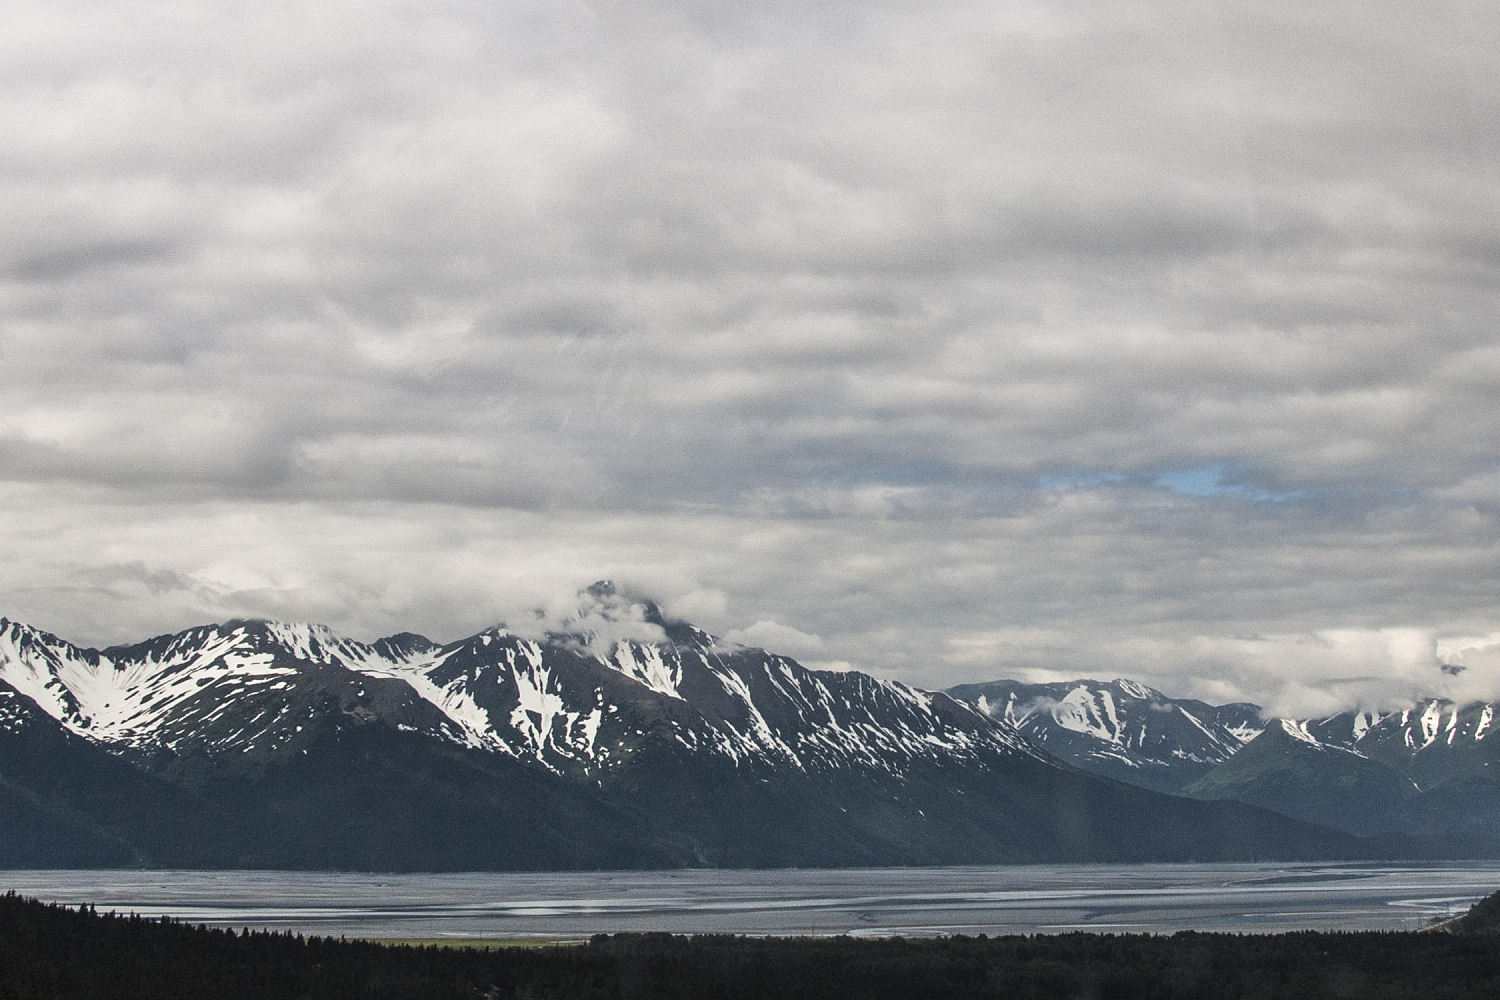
890,327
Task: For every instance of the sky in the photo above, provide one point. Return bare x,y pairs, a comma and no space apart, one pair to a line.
946,341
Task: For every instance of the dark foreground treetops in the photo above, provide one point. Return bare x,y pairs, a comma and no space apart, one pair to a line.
49,951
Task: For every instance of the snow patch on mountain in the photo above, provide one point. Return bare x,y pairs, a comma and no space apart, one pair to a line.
453,699
564,700
646,664
1298,730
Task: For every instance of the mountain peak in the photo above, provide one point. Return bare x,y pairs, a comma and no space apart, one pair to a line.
275,687
1121,728
1135,689
604,600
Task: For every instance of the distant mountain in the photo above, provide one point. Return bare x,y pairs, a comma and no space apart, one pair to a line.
1429,772
622,739
1120,729
1287,769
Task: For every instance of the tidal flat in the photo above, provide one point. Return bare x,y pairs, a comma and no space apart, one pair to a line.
878,902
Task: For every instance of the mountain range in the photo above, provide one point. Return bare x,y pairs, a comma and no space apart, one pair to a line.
621,740
1428,772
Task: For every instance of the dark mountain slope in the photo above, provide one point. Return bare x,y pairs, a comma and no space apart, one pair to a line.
1283,769
1119,729
258,744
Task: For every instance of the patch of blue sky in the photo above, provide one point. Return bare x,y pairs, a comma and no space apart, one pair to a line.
1217,480
1203,481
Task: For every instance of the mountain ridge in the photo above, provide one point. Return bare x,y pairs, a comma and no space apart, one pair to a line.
630,741
1428,771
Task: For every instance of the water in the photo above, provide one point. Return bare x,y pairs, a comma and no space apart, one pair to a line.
885,901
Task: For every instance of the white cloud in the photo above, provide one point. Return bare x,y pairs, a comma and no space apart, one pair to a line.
705,608
876,324
836,666
777,638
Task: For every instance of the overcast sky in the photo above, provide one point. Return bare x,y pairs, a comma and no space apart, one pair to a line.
950,341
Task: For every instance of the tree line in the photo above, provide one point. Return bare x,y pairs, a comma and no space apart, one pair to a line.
49,951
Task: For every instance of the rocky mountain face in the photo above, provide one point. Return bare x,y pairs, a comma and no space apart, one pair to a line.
567,703
621,740
1429,773
1120,729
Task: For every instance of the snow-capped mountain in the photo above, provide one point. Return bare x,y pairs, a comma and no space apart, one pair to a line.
1291,770
561,700
1429,772
1432,737
219,687
1119,728
618,739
